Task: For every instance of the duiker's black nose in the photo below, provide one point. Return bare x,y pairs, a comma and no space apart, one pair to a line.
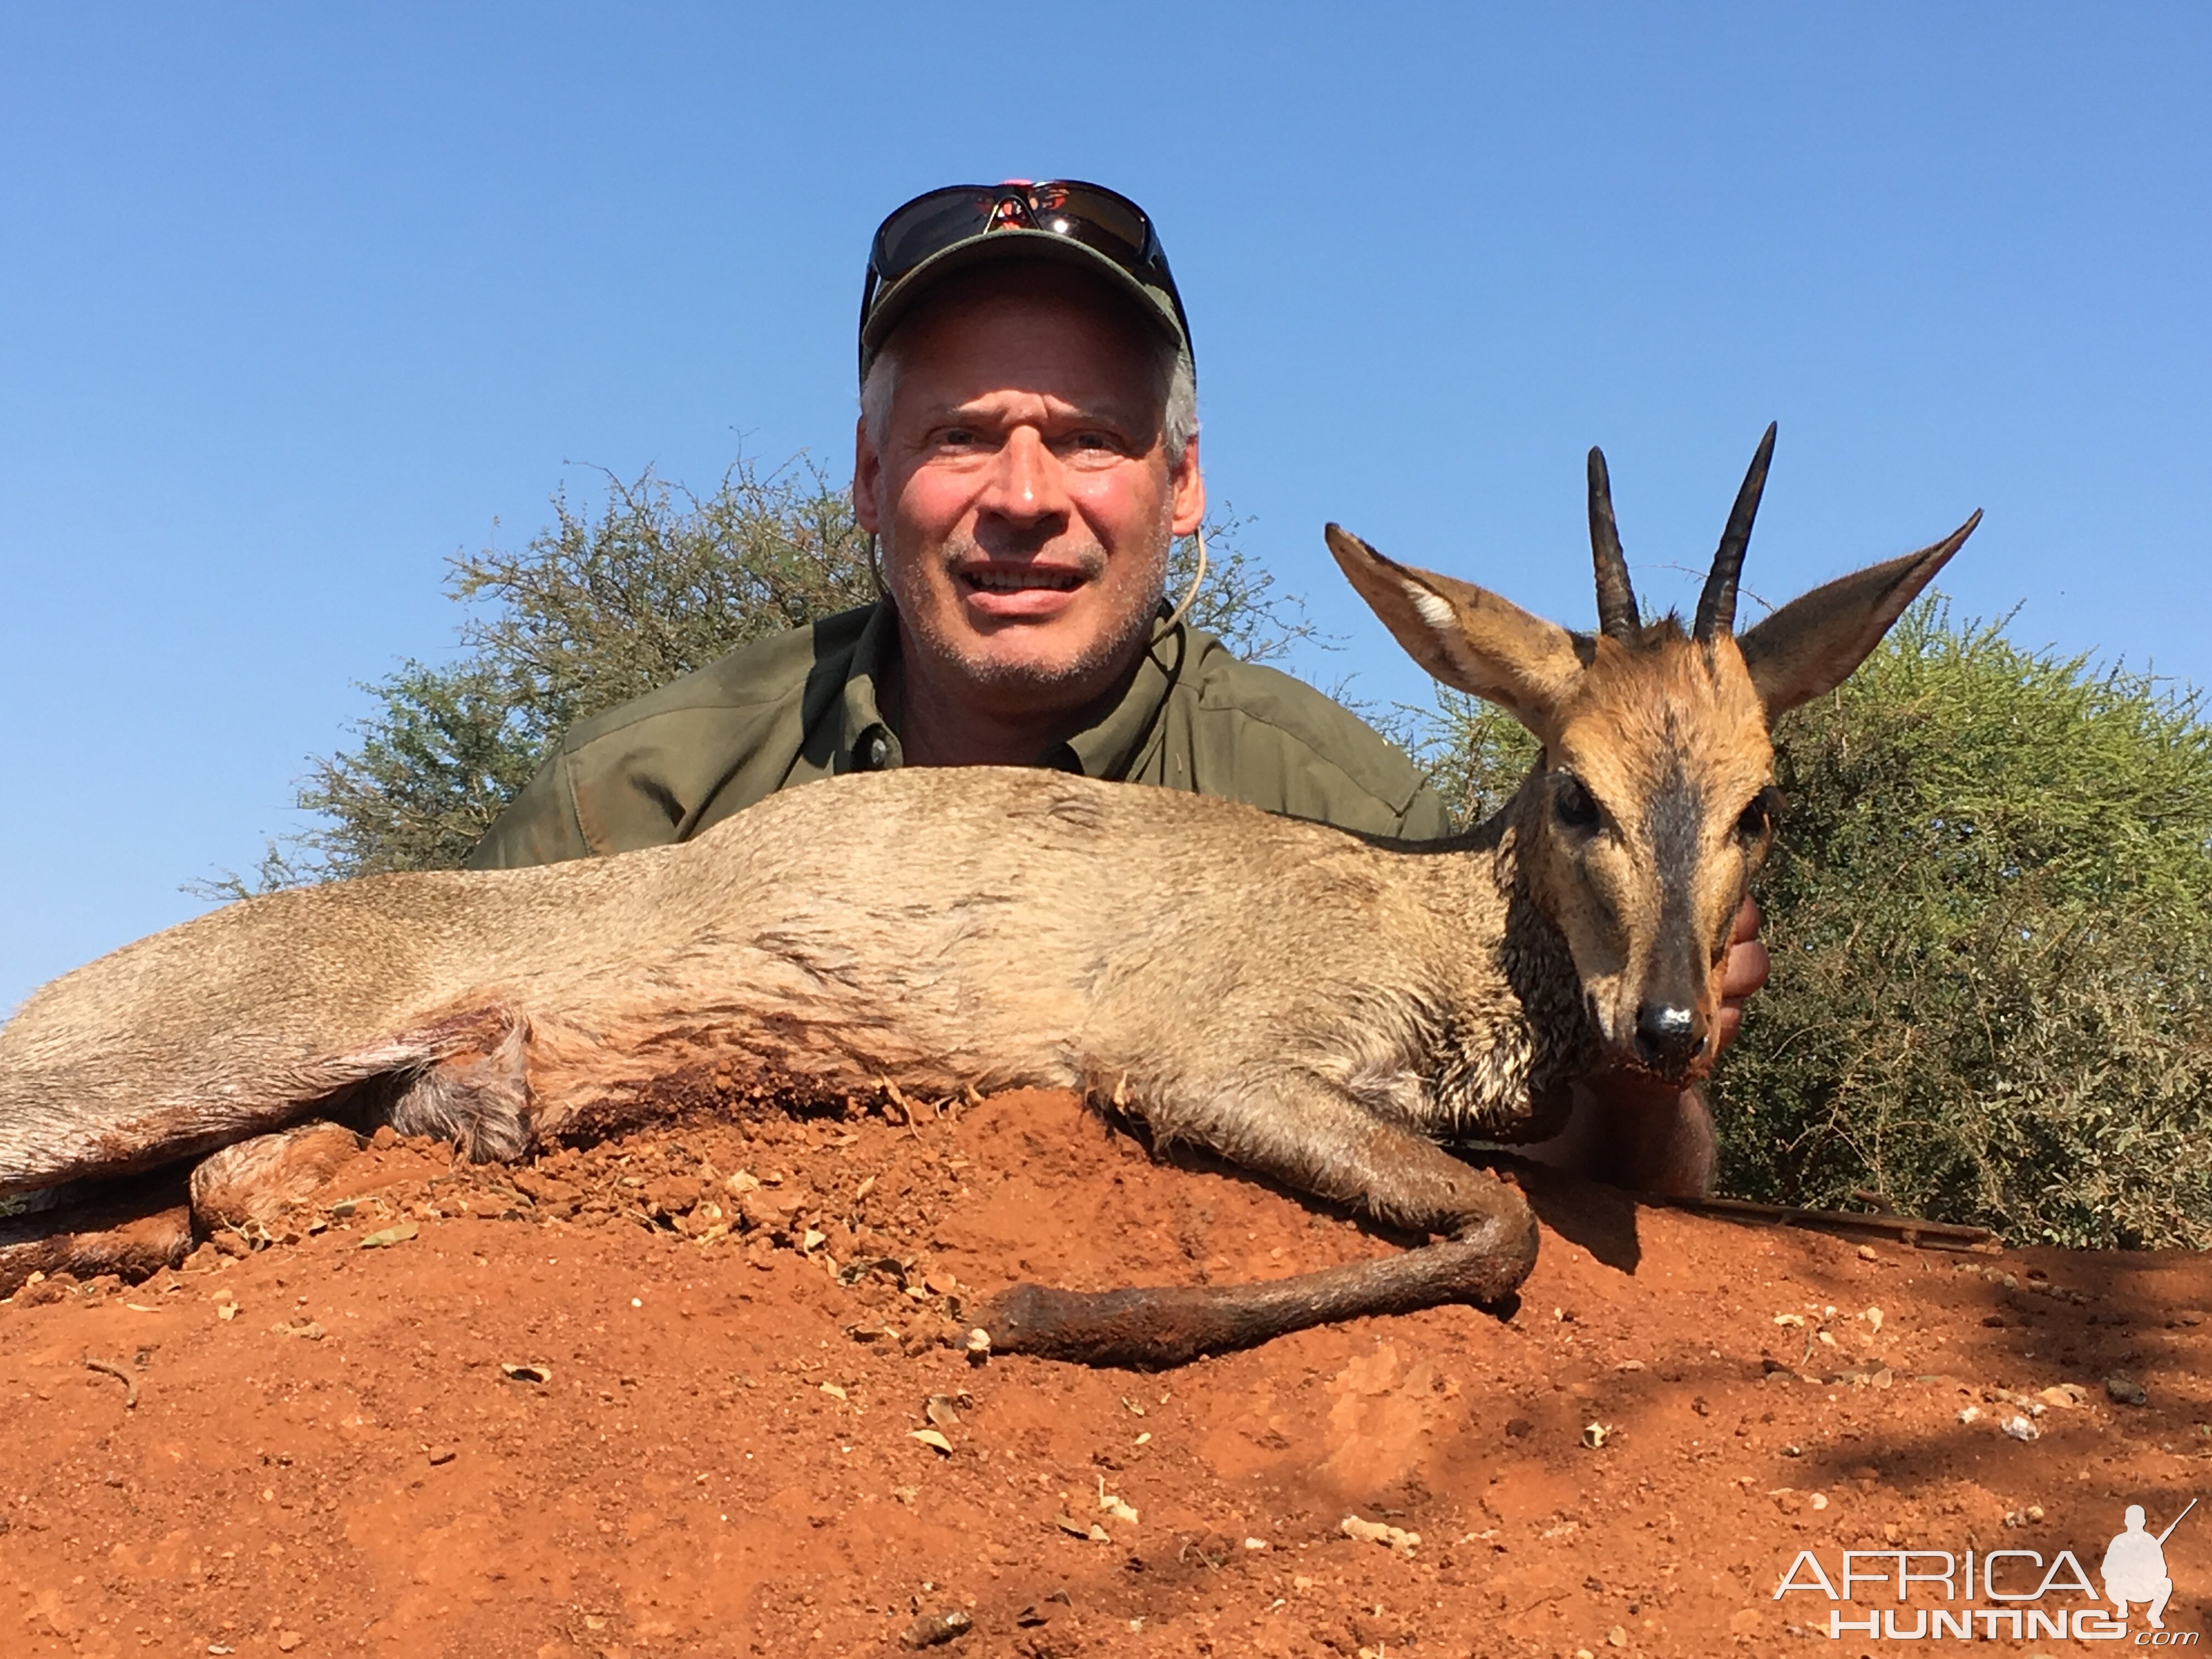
1667,1036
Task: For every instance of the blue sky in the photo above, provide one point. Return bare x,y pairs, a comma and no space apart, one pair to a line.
296,301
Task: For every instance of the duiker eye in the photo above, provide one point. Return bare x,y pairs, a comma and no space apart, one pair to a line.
1573,804
1758,817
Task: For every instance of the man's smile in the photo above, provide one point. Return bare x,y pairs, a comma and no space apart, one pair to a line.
1010,591
1008,579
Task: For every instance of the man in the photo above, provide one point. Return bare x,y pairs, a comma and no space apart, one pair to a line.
1026,454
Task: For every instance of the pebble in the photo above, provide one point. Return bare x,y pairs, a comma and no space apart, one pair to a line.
1375,1532
935,1629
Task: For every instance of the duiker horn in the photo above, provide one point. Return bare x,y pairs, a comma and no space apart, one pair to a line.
1716,604
1617,614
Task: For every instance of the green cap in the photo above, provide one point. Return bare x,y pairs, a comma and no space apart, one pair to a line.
950,230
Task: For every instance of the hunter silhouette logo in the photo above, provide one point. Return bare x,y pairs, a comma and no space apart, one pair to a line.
1998,1595
2134,1568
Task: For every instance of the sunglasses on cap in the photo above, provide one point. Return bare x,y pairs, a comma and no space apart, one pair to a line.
1106,222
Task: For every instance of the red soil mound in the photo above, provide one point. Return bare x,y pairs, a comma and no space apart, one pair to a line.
722,1453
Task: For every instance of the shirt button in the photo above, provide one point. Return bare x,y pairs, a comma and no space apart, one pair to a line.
876,751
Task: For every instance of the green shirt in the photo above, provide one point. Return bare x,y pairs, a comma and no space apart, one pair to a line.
801,706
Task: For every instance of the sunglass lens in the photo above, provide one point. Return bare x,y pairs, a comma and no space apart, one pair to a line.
926,224
1113,224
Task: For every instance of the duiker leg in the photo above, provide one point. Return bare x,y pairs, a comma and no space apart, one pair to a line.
1328,1147
257,1180
136,1226
477,1098
133,1229
457,1076
1647,1137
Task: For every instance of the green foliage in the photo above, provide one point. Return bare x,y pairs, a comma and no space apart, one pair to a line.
1238,601
1990,912
1474,753
602,607
596,609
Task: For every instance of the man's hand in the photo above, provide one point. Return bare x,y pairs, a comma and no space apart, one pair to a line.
1741,975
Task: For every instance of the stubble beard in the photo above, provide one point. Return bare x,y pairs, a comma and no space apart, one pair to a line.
1029,680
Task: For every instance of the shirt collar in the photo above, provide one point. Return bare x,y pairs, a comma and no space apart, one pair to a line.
865,742
1109,746
1105,748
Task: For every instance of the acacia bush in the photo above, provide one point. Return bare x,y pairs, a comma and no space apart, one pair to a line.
1990,913
601,606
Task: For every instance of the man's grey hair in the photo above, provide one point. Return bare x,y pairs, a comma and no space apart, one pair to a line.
1171,366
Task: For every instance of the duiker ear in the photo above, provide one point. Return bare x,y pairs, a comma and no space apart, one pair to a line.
1465,636
1810,645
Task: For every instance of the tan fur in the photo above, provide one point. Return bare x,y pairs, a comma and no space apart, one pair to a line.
945,929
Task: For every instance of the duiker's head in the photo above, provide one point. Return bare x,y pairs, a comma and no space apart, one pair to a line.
1652,802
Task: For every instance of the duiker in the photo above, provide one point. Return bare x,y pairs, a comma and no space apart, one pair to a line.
1312,1005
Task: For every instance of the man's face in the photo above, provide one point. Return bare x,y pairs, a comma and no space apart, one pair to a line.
1021,494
